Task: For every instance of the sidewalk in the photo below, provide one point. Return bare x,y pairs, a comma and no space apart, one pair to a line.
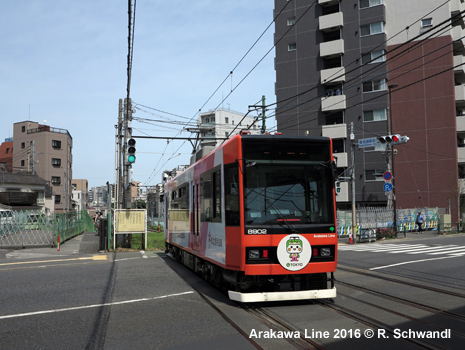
85,243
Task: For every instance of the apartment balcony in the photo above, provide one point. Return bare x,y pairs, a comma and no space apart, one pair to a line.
460,70
333,75
456,6
342,159
332,48
460,96
333,103
461,155
461,123
335,131
327,2
457,34
462,186
343,196
331,21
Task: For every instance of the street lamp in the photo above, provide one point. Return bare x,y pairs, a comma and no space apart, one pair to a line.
390,87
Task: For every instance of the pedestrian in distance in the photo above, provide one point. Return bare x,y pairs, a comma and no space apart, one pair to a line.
419,222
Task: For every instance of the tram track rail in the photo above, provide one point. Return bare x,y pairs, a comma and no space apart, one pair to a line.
404,281
376,324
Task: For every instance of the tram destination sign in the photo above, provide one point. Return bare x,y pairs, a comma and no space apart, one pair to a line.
365,143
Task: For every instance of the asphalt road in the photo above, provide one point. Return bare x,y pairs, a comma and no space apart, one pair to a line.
81,299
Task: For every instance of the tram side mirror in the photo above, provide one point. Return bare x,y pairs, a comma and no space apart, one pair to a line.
334,170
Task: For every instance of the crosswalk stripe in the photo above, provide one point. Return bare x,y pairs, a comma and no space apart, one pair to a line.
451,250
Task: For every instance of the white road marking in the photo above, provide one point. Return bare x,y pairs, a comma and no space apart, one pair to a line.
92,306
411,262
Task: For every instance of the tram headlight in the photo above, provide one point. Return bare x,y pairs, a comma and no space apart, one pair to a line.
254,254
325,251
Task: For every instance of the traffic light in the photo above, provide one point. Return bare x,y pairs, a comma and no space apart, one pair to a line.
393,139
131,151
338,187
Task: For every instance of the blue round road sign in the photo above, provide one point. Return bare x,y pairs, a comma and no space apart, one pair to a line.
387,176
387,187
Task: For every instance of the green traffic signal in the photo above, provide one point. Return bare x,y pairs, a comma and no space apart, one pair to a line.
131,151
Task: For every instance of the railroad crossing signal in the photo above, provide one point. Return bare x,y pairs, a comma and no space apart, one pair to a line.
131,151
393,139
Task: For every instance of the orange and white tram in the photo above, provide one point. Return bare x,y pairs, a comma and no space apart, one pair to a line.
257,216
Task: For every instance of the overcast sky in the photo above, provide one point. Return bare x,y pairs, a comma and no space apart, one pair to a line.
66,62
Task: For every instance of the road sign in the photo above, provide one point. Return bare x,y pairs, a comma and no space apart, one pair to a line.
365,143
387,187
387,175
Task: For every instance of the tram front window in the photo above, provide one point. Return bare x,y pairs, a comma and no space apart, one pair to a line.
295,194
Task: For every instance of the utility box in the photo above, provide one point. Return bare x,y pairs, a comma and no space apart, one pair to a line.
445,223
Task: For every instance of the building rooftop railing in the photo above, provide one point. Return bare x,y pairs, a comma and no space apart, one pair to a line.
44,128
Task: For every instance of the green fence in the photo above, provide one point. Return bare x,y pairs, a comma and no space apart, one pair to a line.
71,224
33,228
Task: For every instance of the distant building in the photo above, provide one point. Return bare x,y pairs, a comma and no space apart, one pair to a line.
25,191
47,152
6,155
80,188
216,125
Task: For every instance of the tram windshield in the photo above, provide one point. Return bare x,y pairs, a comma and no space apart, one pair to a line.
288,188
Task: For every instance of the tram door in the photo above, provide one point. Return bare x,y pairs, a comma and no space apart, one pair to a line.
195,222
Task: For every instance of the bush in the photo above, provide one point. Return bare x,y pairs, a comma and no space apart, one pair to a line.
385,233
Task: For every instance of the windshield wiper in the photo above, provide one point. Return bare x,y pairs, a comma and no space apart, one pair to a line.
281,217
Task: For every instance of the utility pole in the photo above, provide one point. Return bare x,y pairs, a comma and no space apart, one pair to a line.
119,156
352,153
263,115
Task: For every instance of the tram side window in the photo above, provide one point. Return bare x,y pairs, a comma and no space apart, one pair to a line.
231,189
217,196
211,196
206,197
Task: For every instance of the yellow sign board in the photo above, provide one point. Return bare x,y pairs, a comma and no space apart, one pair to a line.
130,220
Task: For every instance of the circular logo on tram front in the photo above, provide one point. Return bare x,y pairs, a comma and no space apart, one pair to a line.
294,252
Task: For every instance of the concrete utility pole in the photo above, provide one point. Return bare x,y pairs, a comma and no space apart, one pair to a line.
352,153
263,115
119,156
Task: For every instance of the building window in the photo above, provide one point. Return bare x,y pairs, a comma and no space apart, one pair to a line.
226,120
56,180
374,57
22,163
23,129
56,144
370,3
372,29
375,115
426,23
57,199
374,175
23,145
292,47
56,161
291,21
374,85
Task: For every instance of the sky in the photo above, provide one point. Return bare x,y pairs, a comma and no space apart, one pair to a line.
64,64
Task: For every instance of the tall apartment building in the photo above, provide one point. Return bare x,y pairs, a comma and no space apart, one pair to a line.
47,152
386,67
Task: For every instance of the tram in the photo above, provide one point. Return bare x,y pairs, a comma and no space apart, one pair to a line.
257,217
